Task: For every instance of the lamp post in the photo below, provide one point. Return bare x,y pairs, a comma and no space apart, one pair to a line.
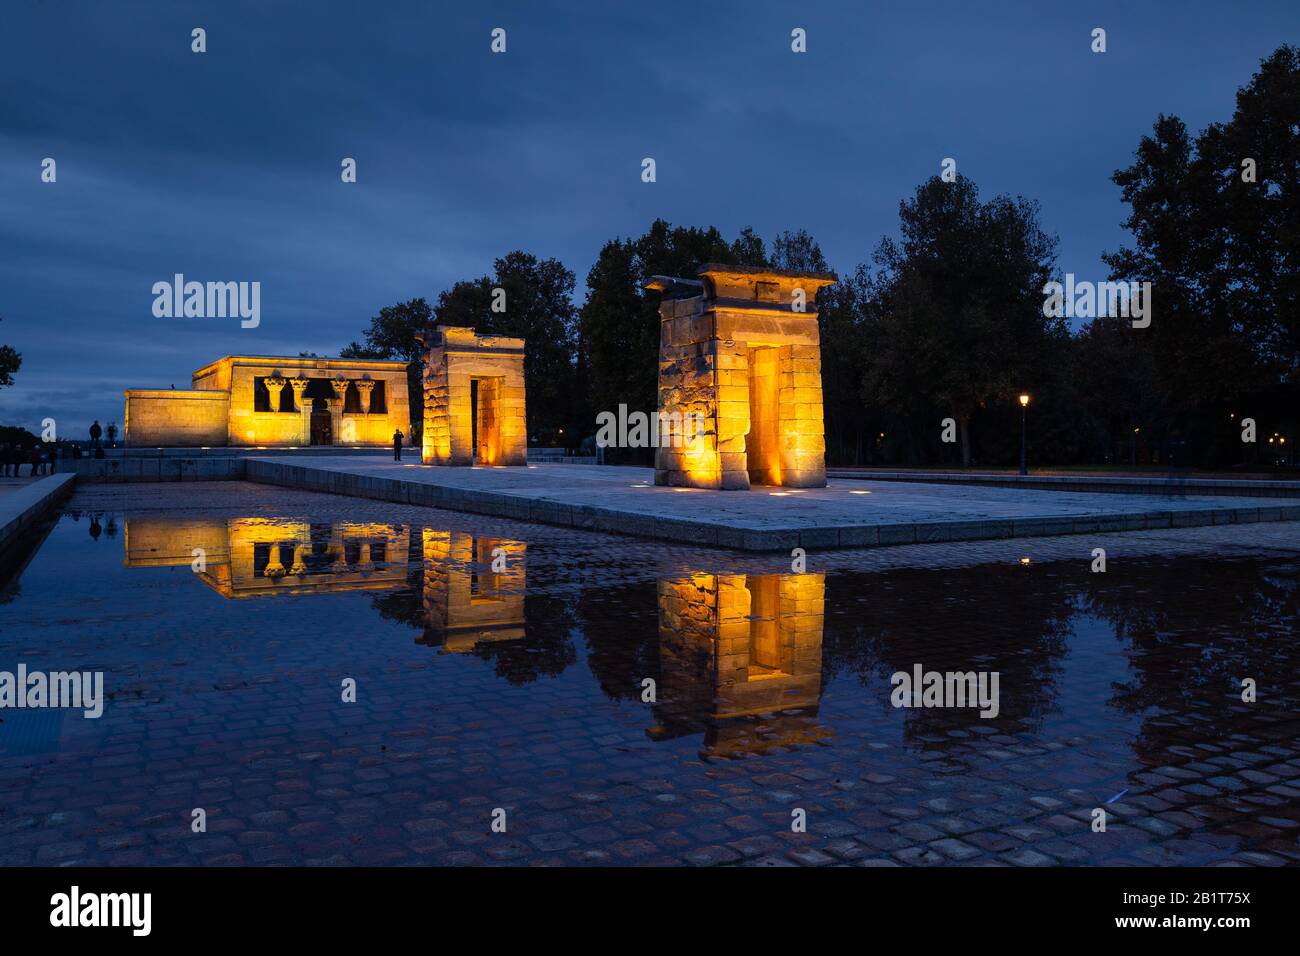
1024,404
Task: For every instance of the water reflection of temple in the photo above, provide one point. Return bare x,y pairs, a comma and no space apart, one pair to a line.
472,589
251,557
741,660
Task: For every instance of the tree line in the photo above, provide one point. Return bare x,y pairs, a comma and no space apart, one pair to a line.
947,319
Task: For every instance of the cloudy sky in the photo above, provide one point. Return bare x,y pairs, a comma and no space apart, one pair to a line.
224,166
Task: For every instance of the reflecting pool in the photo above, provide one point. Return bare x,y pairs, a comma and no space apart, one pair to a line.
662,717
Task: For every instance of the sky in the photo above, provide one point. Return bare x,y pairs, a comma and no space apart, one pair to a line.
225,165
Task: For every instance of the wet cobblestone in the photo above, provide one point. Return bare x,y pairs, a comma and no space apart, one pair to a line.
1121,687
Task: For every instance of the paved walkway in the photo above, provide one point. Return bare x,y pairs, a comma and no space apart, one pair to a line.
1180,483
844,514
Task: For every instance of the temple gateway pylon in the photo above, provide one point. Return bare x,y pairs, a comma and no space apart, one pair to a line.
739,350
473,399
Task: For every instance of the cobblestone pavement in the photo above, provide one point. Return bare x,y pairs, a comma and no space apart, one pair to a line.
1119,690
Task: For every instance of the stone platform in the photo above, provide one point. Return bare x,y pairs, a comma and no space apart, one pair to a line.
845,514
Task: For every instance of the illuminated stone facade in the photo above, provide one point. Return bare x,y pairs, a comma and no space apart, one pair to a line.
739,349
274,401
473,399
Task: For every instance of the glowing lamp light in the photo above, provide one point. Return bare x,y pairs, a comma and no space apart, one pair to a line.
1024,399
859,492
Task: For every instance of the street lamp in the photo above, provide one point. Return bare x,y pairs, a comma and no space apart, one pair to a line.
1024,404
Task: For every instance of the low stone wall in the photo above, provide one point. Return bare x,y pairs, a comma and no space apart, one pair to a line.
231,451
20,509
154,469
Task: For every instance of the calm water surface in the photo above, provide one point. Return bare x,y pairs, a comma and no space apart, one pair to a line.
665,719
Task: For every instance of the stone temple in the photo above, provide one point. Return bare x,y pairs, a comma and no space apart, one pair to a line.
273,401
739,350
473,399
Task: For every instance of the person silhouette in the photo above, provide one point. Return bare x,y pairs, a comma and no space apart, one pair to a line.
397,445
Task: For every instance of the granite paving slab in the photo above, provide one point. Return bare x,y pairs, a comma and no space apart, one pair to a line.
847,513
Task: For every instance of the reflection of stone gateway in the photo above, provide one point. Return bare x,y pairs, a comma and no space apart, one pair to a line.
474,408
473,589
734,646
740,347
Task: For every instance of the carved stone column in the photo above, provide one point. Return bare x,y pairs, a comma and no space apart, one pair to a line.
299,386
275,385
340,386
299,566
365,386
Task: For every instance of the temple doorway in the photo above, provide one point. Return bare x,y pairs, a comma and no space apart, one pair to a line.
321,393
322,432
763,443
485,418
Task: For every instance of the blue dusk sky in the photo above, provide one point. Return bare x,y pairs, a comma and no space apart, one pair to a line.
224,166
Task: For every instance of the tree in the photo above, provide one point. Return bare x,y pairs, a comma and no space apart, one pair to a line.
1113,376
839,319
797,252
537,306
954,320
619,322
748,249
1214,222
392,335
10,361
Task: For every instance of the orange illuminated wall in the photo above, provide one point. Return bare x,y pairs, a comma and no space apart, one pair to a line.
739,348
474,402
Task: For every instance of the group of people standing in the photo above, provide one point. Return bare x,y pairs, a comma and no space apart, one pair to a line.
43,459
12,458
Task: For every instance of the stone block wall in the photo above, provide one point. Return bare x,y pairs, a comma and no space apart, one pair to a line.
742,355
178,417
250,427
454,360
220,410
